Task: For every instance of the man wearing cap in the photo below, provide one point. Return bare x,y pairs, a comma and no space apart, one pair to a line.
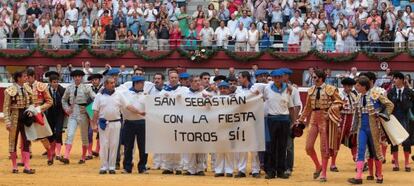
261,76
17,98
114,72
184,79
224,164
323,104
107,119
349,97
74,102
278,116
403,98
96,85
55,114
134,125
244,79
297,103
42,100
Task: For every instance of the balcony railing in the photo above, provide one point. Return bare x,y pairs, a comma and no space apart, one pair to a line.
193,44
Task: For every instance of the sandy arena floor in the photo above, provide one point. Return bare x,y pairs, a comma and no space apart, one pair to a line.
87,174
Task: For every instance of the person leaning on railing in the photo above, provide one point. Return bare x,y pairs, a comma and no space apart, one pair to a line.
4,30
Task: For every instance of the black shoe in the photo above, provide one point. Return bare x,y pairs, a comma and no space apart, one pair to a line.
370,177
20,164
240,175
334,169
15,171
270,176
355,181
65,161
29,171
81,162
396,169
50,162
167,172
89,157
380,181
117,166
126,172
201,173
219,175
323,180
186,173
102,172
178,172
317,174
112,172
96,154
58,158
407,169
282,176
229,175
256,175
365,167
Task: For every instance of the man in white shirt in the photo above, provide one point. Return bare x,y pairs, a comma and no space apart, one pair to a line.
297,104
206,35
150,14
240,37
296,18
278,119
42,33
84,33
195,160
172,160
221,35
134,126
107,107
294,39
67,33
72,14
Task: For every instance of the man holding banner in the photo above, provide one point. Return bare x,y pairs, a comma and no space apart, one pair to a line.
134,125
241,158
172,160
195,160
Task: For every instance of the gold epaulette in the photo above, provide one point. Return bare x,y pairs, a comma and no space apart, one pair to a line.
330,90
11,90
28,88
41,87
311,90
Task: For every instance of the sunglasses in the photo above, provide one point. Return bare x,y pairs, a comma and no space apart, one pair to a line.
315,77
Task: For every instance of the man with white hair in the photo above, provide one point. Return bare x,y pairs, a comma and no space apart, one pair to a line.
354,73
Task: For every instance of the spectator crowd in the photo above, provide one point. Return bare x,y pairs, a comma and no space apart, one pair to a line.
240,25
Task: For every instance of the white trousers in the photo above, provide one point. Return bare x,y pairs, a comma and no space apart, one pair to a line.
241,161
196,162
157,160
109,141
172,162
75,121
224,163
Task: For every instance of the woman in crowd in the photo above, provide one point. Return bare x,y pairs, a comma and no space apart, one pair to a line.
131,39
305,35
199,22
253,38
191,43
277,33
152,43
339,44
121,34
56,40
96,34
350,35
265,38
330,39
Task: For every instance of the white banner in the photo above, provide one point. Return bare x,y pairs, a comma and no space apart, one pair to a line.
203,125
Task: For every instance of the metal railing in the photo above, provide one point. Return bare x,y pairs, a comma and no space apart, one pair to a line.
194,44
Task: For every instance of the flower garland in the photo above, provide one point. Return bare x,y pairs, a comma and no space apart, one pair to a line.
206,54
